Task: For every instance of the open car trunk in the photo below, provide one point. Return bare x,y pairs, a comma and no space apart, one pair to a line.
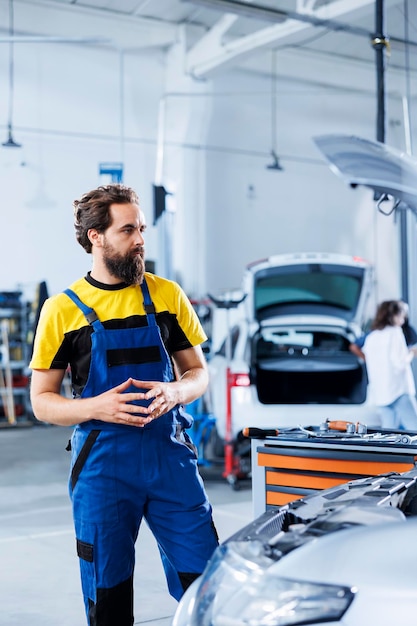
305,366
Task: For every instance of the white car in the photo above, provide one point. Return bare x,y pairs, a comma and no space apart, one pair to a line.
345,556
286,359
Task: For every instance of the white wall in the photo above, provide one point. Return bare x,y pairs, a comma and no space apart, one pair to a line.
253,212
67,117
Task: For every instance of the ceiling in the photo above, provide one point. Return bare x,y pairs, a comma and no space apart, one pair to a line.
221,33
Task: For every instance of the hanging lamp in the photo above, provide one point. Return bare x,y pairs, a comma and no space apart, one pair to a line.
10,142
275,165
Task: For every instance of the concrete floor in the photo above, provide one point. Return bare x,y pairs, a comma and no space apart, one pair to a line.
39,581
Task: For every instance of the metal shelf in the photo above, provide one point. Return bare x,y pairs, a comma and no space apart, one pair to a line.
14,356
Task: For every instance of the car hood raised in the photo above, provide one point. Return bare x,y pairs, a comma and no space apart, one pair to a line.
372,164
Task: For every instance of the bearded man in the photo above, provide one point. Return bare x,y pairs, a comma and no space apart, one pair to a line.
132,343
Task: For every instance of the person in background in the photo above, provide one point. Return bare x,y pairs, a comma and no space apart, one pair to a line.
388,363
133,344
409,331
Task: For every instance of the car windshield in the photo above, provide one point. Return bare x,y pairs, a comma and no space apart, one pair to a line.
308,284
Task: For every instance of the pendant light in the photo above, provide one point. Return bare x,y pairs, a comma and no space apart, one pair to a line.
10,142
275,165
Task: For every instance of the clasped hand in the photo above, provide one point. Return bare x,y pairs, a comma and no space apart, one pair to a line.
116,404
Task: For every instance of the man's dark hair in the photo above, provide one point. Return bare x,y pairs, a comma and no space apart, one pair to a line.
92,210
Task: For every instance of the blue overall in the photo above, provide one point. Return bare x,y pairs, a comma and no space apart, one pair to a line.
120,474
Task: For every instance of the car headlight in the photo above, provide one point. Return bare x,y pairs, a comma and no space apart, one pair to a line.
238,588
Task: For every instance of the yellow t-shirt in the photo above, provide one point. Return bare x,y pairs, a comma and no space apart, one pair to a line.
63,335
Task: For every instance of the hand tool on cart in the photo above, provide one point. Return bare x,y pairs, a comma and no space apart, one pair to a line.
336,428
339,429
344,426
260,433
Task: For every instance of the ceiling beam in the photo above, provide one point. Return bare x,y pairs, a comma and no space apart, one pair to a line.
316,17
203,61
209,41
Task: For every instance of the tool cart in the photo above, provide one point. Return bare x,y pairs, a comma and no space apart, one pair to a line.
293,463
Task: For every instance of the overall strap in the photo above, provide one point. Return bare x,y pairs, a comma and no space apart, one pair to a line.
148,304
89,313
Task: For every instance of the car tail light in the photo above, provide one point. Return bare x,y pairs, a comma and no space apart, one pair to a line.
239,380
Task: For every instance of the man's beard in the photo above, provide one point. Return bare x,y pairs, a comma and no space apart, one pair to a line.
129,268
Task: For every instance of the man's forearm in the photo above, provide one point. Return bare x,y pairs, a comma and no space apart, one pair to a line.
192,385
52,408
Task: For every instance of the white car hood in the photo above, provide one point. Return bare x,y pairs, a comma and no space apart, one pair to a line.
377,562
372,164
334,558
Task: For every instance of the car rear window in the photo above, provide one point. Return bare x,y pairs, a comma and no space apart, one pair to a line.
314,284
